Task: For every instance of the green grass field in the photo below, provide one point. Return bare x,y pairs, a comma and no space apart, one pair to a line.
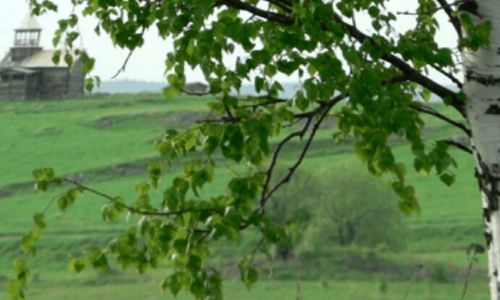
107,140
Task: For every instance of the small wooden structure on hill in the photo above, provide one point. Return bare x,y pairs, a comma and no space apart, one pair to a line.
196,88
28,71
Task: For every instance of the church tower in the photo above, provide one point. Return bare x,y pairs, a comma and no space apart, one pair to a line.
27,39
29,72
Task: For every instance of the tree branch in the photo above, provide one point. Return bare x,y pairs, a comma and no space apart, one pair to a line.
234,119
220,120
432,112
125,62
449,75
274,160
453,19
326,109
407,70
447,7
410,73
458,145
268,15
271,101
285,5
138,211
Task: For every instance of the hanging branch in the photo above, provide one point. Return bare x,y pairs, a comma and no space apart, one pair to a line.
127,59
300,134
326,109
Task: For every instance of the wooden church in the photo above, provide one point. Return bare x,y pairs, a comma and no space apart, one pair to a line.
28,71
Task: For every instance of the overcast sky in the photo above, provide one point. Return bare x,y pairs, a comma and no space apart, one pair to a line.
147,63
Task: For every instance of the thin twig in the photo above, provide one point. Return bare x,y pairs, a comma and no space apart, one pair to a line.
138,211
220,120
449,75
299,289
125,62
274,159
51,202
412,281
124,65
472,251
228,111
271,101
308,144
255,249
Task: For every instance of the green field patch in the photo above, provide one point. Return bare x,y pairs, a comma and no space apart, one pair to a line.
106,141
47,131
268,289
149,119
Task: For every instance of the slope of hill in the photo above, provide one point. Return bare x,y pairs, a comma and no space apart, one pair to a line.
106,142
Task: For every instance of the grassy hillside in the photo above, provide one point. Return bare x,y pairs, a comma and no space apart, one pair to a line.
107,141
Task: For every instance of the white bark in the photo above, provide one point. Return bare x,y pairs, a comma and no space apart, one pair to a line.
482,87
492,250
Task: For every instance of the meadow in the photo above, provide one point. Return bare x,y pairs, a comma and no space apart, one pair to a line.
108,140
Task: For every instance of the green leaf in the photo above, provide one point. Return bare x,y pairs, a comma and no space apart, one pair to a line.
259,84
447,178
171,92
76,265
56,57
21,270
98,260
173,283
301,101
15,290
251,277
191,47
197,288
39,220
88,64
30,239
232,142
194,264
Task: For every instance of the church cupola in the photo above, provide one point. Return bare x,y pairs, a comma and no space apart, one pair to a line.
27,39
28,33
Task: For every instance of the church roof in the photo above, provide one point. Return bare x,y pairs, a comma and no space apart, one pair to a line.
41,59
29,23
15,70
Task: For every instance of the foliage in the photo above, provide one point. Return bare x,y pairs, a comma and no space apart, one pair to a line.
337,208
296,204
355,209
318,41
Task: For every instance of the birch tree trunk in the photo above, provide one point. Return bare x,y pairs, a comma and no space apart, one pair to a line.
482,87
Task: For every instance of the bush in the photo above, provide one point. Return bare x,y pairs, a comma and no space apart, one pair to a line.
344,207
440,273
292,204
355,209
